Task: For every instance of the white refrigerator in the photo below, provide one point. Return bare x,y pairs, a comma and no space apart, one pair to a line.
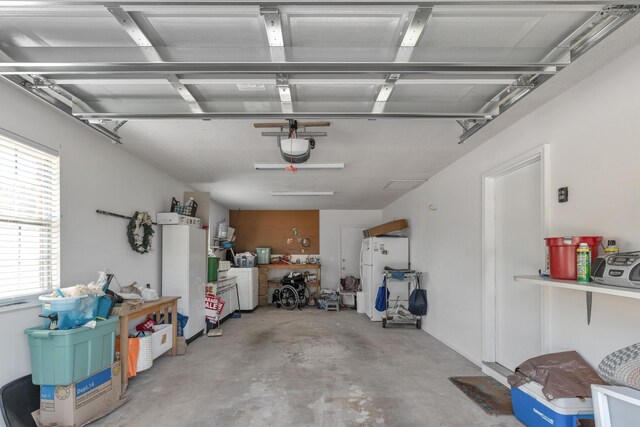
376,254
247,281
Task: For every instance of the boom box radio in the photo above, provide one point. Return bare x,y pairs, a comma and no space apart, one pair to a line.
621,269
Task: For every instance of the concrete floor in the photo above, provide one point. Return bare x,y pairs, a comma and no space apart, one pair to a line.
306,368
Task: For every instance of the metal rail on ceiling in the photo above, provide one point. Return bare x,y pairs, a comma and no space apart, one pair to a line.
61,62
183,68
22,4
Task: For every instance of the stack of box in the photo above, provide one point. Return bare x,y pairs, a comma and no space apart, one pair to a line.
75,369
81,402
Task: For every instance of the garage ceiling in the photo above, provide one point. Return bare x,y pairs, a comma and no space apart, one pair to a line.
459,63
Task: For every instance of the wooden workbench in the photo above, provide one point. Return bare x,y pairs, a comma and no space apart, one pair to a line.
129,312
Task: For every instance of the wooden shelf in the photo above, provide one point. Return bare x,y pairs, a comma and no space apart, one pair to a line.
288,266
272,285
575,286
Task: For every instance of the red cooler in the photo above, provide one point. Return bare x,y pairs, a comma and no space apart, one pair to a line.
562,254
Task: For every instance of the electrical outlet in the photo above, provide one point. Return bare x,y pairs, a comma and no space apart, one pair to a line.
563,194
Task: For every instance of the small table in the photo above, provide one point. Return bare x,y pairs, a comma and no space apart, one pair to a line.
163,306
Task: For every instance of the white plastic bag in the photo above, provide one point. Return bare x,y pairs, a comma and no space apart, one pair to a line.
147,293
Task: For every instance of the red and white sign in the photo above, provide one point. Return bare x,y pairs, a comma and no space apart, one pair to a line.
213,306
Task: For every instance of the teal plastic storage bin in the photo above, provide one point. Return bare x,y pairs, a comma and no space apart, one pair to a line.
65,357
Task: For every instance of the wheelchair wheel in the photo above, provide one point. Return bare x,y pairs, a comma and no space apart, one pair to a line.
289,297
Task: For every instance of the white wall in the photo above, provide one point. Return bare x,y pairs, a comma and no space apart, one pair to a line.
217,213
95,174
593,133
330,223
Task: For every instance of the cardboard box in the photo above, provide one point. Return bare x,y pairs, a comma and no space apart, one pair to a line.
386,228
127,307
262,301
82,402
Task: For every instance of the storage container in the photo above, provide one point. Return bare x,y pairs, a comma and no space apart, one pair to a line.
264,255
244,261
534,410
212,268
145,356
62,357
161,340
562,254
172,218
348,298
72,311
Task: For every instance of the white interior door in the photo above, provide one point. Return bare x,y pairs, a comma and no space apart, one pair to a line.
518,250
350,245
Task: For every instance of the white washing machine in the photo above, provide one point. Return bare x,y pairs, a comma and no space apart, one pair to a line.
247,280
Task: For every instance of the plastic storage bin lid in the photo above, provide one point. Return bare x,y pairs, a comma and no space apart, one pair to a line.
563,406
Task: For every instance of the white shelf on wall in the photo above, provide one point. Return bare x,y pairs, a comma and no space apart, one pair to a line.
575,286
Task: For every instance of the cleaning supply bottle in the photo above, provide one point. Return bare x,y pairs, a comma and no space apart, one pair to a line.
611,248
583,263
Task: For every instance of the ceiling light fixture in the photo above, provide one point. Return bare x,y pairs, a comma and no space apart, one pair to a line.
302,193
283,166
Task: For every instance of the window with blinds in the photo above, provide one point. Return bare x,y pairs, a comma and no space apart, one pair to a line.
29,220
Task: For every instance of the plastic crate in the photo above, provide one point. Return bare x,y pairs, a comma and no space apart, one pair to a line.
534,410
64,357
244,261
72,311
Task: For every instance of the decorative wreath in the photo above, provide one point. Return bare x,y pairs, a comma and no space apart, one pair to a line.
140,244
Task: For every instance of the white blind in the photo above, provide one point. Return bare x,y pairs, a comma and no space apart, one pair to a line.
29,221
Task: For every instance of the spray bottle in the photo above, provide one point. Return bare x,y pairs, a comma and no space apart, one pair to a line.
583,263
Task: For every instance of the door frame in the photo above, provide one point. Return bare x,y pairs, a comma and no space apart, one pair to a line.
489,317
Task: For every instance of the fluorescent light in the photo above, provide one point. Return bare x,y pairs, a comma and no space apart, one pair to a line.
283,166
302,193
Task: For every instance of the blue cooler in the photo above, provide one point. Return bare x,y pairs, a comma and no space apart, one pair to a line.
534,410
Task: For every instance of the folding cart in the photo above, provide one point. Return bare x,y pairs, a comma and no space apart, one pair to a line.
399,312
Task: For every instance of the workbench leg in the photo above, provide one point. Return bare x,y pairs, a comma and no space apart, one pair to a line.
124,352
174,328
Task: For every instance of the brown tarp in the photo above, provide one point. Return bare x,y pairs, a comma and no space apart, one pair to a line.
564,374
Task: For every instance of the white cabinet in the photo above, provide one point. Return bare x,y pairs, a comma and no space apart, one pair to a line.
228,293
247,280
184,272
